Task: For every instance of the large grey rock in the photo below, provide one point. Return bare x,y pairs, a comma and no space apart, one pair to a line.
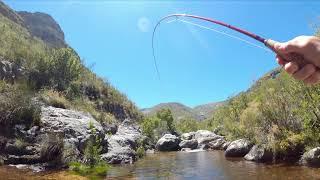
311,158
259,154
74,125
203,134
217,144
188,136
168,142
192,144
122,145
238,148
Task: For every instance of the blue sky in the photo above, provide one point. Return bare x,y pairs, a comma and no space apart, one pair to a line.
197,66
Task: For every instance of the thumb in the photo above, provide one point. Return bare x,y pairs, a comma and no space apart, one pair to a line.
286,47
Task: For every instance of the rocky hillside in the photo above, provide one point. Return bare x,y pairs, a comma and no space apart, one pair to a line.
53,109
181,111
43,26
39,25
34,43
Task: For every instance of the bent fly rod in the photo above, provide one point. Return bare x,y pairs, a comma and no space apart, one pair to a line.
267,42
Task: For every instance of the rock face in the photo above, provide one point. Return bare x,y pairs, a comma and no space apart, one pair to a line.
44,27
192,144
73,125
168,142
63,136
122,145
238,148
311,158
259,154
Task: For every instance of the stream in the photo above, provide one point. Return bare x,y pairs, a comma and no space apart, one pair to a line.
183,165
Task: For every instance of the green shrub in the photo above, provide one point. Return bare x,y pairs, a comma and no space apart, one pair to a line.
98,170
93,166
57,69
93,148
187,125
55,99
52,149
140,152
16,106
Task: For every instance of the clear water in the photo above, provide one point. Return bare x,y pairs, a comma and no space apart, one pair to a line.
181,165
208,165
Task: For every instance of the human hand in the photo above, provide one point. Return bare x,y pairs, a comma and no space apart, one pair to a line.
309,49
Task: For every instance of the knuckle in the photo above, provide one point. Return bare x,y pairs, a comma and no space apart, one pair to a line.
310,68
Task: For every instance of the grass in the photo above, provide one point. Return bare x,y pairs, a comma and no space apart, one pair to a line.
97,171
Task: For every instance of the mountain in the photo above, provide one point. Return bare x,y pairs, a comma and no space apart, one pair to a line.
181,111
206,110
43,26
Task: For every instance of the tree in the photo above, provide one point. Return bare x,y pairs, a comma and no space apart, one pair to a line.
166,115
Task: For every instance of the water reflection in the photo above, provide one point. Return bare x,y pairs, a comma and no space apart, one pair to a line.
208,165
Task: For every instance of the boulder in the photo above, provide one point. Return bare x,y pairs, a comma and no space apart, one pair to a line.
238,148
168,142
192,144
217,144
203,134
206,140
122,145
259,154
188,136
74,125
311,158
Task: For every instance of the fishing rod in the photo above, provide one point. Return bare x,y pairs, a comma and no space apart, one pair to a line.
292,57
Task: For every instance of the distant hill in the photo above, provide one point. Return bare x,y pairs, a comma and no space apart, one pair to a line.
205,111
181,111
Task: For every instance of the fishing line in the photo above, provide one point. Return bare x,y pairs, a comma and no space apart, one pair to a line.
292,57
226,34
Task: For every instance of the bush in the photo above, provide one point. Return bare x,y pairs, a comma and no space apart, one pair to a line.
140,151
93,166
16,106
187,125
55,99
56,69
52,149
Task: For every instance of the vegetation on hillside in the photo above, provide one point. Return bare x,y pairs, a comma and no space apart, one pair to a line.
280,112
57,76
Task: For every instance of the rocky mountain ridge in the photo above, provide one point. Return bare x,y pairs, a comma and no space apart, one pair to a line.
181,111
